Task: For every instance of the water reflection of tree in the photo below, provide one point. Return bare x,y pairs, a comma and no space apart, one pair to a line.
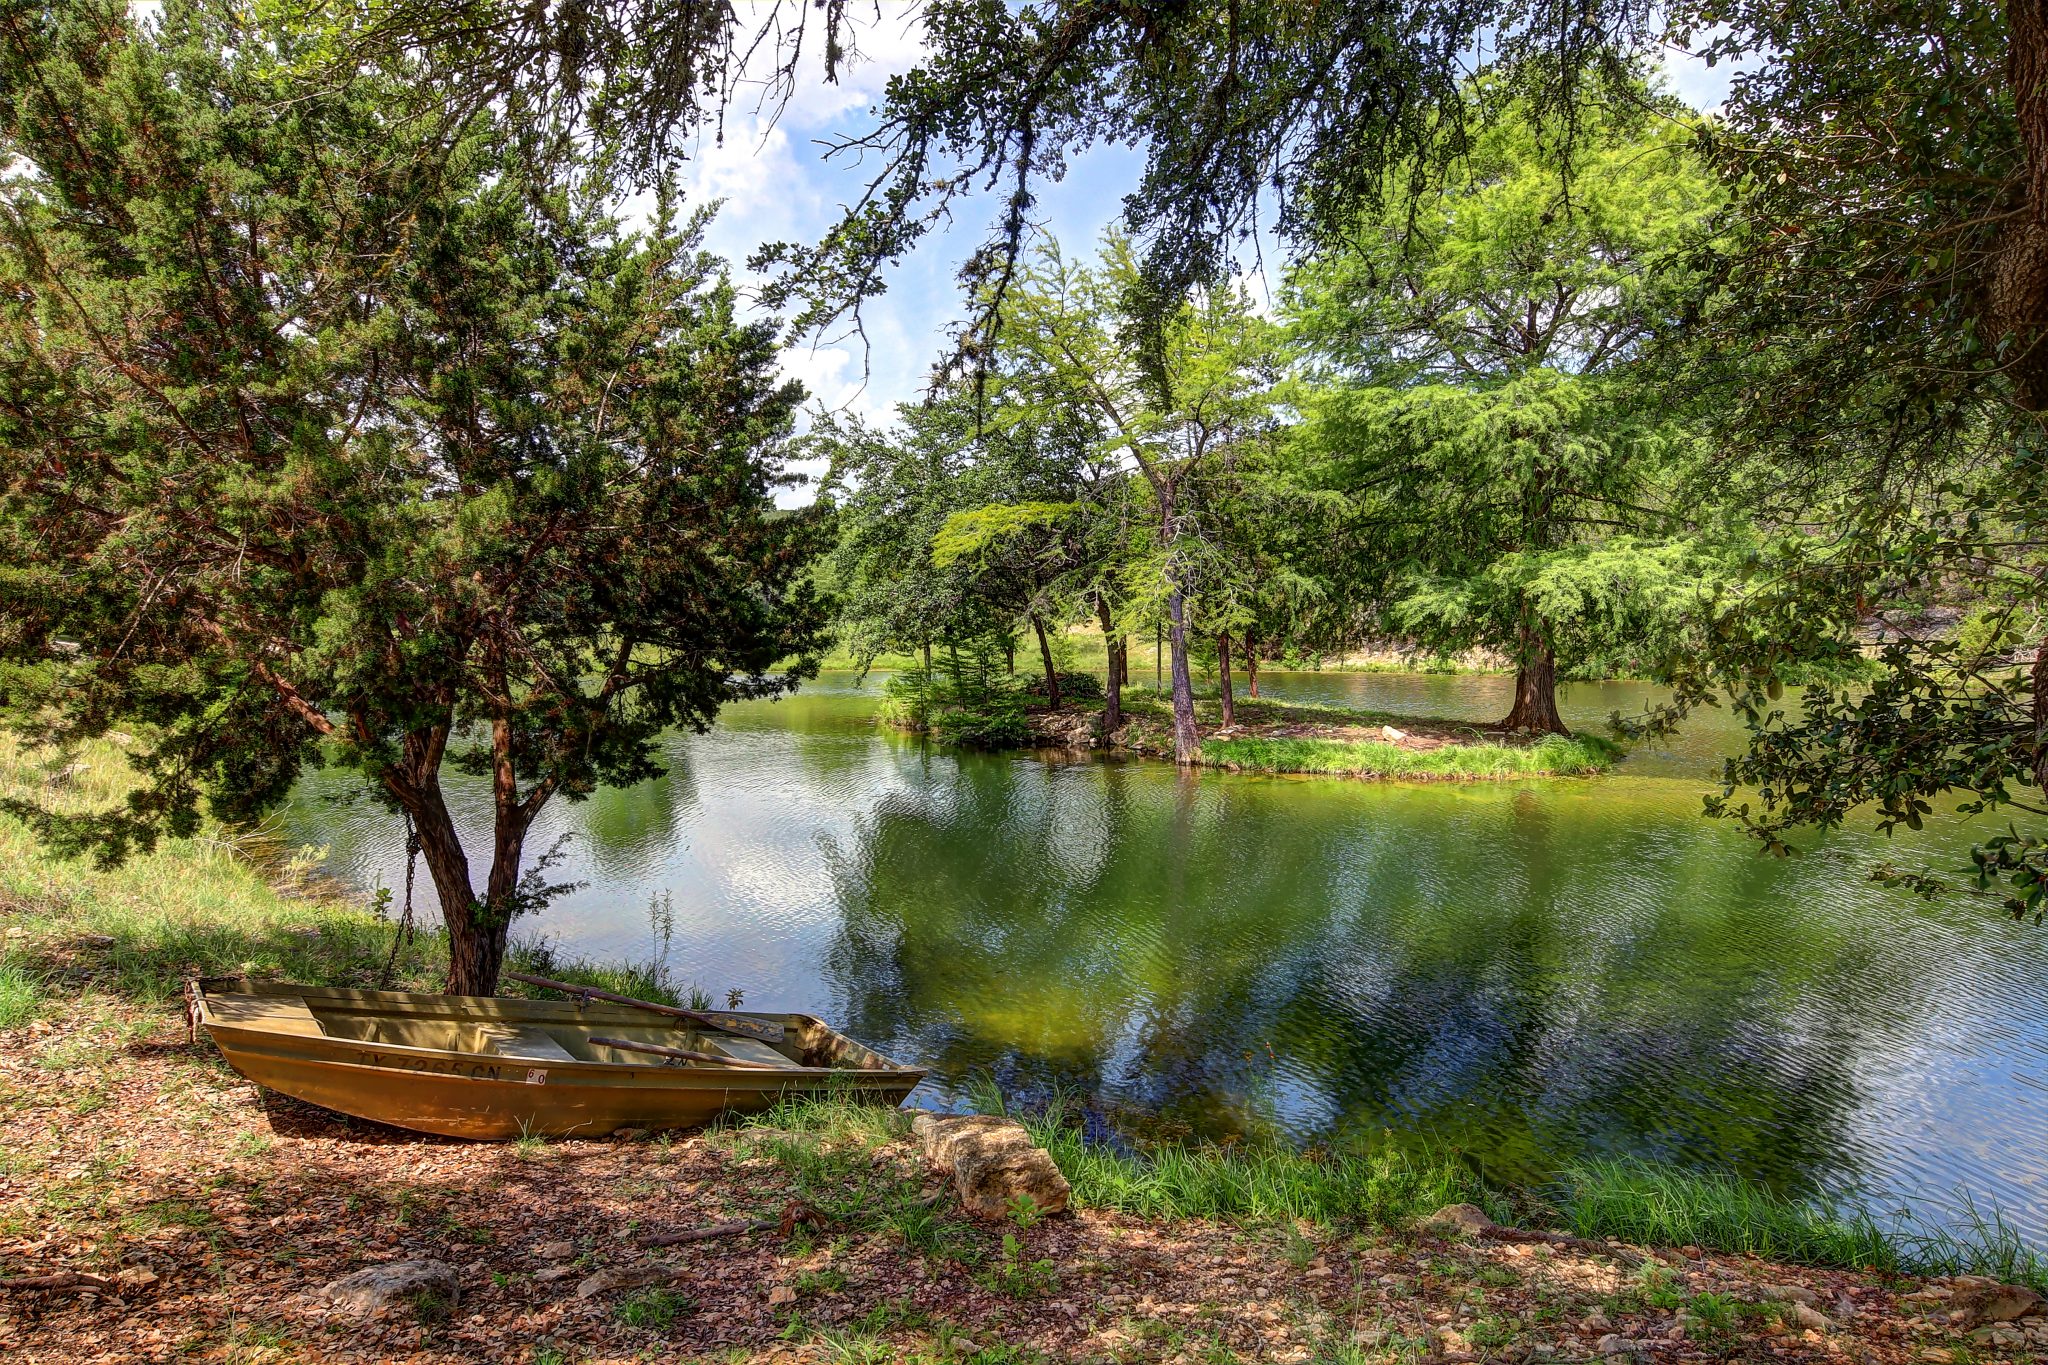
1532,975
621,832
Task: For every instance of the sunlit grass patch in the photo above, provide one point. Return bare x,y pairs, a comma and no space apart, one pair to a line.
832,1118
1387,1187
1553,756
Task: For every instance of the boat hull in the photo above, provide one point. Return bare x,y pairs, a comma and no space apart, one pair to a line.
467,1095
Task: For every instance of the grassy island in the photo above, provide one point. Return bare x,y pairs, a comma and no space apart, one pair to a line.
1275,737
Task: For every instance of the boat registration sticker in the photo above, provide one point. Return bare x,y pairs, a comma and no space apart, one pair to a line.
536,1076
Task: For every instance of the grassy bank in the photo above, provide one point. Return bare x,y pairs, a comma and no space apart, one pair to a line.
1552,756
1281,737
225,903
1390,1190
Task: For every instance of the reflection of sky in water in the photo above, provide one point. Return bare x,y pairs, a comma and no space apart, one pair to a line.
1534,971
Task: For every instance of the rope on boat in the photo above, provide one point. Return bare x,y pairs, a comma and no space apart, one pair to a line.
405,925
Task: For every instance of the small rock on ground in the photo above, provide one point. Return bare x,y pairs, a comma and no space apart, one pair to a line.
376,1290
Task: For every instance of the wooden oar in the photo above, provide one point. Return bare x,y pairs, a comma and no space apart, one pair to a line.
685,1054
724,1023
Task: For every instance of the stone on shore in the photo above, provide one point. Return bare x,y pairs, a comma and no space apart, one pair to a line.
1469,1219
994,1164
1982,1299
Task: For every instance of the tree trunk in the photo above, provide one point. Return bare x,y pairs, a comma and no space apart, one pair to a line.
2016,296
2040,679
1052,678
927,659
1251,666
476,935
1113,689
1223,680
1535,706
1158,646
1187,741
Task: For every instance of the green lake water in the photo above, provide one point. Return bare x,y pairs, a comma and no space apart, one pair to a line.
1533,971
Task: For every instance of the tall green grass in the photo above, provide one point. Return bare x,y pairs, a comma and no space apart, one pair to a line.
1633,1201
1385,1187
1553,755
21,994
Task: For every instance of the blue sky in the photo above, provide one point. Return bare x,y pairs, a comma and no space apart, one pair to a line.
777,186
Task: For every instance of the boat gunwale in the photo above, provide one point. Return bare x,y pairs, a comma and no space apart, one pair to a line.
289,1042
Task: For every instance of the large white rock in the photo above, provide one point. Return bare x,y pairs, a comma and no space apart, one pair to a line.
994,1163
377,1290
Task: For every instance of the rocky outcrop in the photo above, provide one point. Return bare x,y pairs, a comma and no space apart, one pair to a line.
1981,1299
1065,729
380,1289
995,1165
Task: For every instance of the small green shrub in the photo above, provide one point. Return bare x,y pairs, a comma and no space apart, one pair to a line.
1660,1288
656,1309
1017,1277
1073,686
965,699
1714,1312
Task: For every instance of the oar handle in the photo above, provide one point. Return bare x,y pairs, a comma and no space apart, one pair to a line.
724,1023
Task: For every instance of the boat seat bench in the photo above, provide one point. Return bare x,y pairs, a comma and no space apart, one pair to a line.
529,1045
270,1013
749,1050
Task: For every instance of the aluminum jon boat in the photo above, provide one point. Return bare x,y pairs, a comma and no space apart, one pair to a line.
487,1067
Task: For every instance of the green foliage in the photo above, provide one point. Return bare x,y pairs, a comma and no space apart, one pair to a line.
966,699
1871,339
1236,104
1073,686
977,530
403,452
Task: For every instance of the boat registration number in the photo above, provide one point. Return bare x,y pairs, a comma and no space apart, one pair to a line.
536,1076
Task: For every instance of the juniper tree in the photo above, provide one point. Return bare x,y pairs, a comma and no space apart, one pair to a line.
332,431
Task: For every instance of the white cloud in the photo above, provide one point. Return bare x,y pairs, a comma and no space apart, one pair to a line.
1703,87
